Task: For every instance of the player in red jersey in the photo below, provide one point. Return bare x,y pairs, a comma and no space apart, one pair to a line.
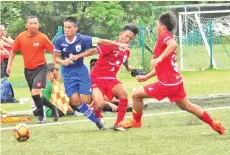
170,82
103,75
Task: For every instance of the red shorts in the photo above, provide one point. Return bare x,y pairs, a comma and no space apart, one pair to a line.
106,86
160,91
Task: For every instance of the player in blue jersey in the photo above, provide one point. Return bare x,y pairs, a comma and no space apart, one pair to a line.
75,74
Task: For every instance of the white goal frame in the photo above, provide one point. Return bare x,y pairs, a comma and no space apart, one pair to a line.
206,43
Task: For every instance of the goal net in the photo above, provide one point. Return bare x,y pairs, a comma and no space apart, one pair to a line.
204,40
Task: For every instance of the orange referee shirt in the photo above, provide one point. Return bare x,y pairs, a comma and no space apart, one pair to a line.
33,48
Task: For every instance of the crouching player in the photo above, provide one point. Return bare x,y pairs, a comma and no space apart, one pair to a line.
170,82
103,75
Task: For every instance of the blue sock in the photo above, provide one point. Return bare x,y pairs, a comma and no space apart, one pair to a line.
83,108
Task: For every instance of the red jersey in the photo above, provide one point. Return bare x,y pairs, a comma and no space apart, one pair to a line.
167,70
109,62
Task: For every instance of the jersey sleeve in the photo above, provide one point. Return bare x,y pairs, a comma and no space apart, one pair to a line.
105,49
16,44
166,38
48,45
57,45
90,42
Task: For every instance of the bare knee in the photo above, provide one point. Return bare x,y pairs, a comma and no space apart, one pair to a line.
136,96
75,102
87,101
100,104
123,95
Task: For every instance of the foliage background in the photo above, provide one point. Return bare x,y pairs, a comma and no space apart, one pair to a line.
102,19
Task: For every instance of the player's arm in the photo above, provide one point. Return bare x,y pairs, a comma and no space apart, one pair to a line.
143,78
110,42
50,48
58,54
10,61
171,46
59,60
8,40
86,53
127,66
113,106
5,44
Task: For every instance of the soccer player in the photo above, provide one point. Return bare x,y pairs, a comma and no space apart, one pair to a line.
75,74
170,82
32,45
103,75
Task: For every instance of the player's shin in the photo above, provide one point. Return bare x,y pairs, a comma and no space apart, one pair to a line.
38,102
206,118
97,111
122,107
137,111
83,108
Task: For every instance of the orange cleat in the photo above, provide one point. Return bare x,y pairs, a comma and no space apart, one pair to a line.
130,124
217,126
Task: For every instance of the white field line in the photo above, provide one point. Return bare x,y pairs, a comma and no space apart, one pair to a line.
113,118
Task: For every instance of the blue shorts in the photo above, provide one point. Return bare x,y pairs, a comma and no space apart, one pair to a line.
77,80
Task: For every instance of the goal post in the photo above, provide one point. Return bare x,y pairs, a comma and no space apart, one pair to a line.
200,34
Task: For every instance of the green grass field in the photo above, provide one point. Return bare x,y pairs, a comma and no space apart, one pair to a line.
197,58
175,134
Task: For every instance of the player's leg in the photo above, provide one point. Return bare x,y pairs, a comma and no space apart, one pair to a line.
52,107
36,80
185,104
120,91
137,96
98,98
86,99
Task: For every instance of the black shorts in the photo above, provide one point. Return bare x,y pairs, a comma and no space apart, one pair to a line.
36,78
3,67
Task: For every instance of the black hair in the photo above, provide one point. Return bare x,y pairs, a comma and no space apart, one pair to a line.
71,20
92,63
169,20
30,17
131,27
50,67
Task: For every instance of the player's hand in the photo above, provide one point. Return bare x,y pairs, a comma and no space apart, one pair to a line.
114,108
155,62
8,70
124,46
130,68
74,57
66,62
141,78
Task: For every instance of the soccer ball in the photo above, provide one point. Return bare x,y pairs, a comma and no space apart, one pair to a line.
21,132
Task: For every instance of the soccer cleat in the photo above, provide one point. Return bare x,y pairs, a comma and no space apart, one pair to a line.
101,124
130,124
118,128
55,113
217,126
41,120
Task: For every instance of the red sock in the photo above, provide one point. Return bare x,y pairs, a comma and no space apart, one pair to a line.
122,107
206,118
137,116
97,112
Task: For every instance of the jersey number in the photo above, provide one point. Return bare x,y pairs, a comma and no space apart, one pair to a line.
174,63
